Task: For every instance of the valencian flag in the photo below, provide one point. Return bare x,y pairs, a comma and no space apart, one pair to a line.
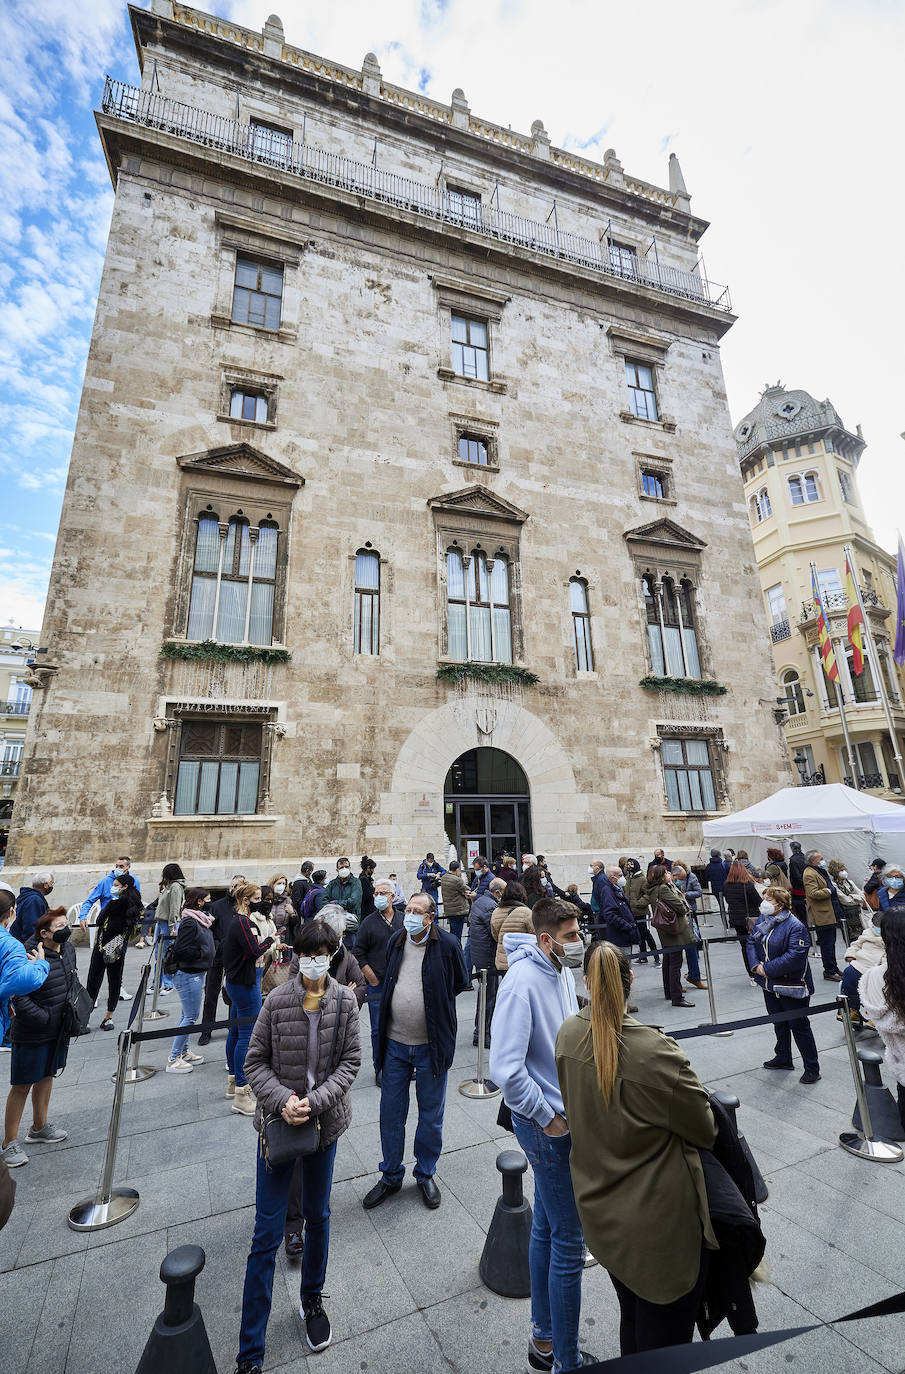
899,652
855,621
826,648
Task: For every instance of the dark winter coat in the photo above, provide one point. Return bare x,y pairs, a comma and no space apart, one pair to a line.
443,977
298,891
367,893
483,945
429,875
742,902
371,940
637,896
782,946
616,916
241,950
30,907
733,1216
193,949
119,917
223,910
716,872
276,1064
481,884
672,897
39,1014
797,865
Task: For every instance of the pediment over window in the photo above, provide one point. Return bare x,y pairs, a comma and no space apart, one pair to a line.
477,501
665,534
242,461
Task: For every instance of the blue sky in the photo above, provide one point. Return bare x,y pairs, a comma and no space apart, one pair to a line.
782,112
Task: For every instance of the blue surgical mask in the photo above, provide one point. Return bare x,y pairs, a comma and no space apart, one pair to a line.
822,863
894,883
118,872
875,928
413,922
381,902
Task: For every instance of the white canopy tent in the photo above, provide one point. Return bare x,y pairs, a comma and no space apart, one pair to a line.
842,823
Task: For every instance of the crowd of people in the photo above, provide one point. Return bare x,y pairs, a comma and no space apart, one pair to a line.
626,1146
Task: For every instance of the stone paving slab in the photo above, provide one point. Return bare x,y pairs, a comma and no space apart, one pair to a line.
405,1293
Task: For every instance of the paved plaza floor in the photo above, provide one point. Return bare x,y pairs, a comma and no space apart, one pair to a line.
405,1295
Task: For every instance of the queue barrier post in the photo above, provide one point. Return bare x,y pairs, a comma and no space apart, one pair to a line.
731,1104
504,1259
154,1014
178,1343
863,1143
479,1086
884,1112
137,1073
110,1205
710,993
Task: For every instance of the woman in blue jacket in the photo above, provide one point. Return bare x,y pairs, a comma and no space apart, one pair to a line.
891,891
778,948
20,973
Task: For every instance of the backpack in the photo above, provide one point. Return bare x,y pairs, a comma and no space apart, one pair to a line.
307,912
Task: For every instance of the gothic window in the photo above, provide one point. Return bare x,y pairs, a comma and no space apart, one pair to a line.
804,488
233,581
672,637
257,293
219,768
478,607
760,505
641,392
847,487
367,602
470,348
581,625
688,774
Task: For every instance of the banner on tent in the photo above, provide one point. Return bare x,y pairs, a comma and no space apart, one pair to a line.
775,827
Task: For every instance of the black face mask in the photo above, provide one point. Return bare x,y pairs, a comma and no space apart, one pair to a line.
61,936
262,907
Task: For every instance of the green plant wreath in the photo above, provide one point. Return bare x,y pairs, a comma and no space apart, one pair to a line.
486,672
689,686
208,650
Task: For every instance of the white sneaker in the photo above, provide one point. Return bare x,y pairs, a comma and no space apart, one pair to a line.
193,1058
125,996
178,1066
165,992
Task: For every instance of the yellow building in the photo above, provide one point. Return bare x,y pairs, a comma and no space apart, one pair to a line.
16,648
799,464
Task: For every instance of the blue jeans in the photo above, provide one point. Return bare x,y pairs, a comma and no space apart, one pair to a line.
556,1250
374,997
243,1002
271,1196
190,987
456,926
400,1062
851,977
694,967
161,934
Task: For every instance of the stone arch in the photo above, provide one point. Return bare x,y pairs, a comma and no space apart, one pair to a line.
413,808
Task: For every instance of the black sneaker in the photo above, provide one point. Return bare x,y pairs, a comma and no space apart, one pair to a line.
809,1076
204,1038
317,1323
248,1367
775,1063
539,1359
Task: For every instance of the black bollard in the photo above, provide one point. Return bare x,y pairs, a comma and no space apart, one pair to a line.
504,1260
178,1342
884,1111
732,1104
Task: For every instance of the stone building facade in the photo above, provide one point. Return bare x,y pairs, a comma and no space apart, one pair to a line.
378,388
799,464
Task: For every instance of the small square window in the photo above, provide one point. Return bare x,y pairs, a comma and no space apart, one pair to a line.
473,448
642,395
258,293
470,350
248,405
653,484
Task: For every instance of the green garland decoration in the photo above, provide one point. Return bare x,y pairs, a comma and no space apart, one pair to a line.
690,686
210,651
486,672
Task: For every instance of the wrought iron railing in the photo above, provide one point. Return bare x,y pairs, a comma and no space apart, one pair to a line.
815,779
155,111
894,781
9,768
15,708
865,780
837,601
780,629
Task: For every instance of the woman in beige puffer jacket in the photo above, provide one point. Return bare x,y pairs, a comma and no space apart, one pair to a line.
513,915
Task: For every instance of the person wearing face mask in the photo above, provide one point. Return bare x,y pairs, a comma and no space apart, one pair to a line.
19,972
40,1045
883,997
222,912
31,904
533,1000
513,914
891,892
113,931
778,948
595,871
303,1058
301,885
417,1034
820,893
534,885
282,912
855,911
346,890
243,953
636,896
191,956
482,877
169,908
660,889
103,891
370,950
866,952
429,874
688,884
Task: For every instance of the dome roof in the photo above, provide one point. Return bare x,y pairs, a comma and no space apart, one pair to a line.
783,414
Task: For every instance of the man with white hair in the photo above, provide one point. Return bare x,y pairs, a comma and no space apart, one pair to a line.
31,904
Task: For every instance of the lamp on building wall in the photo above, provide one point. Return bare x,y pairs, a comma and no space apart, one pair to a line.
801,763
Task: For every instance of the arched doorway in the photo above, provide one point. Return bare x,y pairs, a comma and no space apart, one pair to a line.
487,807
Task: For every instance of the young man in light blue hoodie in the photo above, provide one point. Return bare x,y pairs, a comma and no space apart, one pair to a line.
534,998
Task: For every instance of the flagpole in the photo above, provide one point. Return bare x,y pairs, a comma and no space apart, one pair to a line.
840,695
874,659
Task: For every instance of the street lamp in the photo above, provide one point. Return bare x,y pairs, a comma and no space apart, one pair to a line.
801,763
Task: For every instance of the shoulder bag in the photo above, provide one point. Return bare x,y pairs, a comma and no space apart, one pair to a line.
665,919
282,1143
77,1008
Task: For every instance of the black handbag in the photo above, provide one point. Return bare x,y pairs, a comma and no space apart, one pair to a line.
282,1143
77,1009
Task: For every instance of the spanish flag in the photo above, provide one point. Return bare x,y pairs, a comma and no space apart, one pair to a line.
826,648
855,620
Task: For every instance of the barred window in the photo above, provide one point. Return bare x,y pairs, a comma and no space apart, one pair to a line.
258,293
581,625
470,349
641,392
233,581
367,602
688,773
478,608
219,768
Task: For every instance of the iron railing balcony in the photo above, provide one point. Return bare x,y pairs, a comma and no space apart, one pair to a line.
247,141
780,629
9,768
15,708
838,601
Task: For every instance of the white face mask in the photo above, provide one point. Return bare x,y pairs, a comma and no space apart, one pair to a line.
843,873
315,968
621,881
572,953
767,908
591,872
343,872
279,888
